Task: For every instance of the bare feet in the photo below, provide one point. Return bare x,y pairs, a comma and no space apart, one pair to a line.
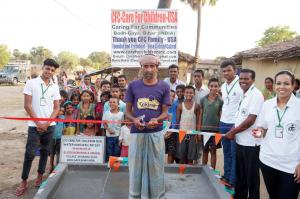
51,169
38,180
21,188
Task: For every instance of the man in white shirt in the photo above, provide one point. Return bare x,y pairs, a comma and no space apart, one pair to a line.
201,90
231,95
247,150
41,100
173,80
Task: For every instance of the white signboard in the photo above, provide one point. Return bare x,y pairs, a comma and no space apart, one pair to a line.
82,149
138,32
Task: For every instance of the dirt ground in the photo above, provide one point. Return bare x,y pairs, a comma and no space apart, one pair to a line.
13,136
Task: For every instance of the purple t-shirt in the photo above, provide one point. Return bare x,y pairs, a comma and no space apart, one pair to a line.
147,100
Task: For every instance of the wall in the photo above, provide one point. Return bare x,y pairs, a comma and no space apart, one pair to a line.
268,68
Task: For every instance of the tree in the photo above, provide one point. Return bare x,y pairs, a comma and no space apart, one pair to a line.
18,55
4,55
164,4
196,5
39,54
100,59
67,60
276,34
85,62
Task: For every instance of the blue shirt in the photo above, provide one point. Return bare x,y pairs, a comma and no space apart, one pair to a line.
59,127
173,111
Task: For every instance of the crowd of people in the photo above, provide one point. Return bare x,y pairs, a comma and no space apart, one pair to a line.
255,122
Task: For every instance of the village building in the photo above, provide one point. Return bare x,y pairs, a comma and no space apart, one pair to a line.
268,60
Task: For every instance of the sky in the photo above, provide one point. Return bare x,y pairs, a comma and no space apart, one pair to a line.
83,26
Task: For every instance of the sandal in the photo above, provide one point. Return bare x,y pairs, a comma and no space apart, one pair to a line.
21,189
38,182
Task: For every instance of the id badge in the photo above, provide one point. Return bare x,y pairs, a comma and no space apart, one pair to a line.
227,100
43,101
279,132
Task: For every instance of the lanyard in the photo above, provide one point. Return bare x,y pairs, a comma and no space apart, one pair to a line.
252,87
44,91
278,116
228,92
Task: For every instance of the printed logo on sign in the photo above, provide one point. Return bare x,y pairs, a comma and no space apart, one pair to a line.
291,128
146,103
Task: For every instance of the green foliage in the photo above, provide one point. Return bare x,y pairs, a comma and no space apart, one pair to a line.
18,55
67,60
39,54
85,62
276,34
99,59
194,3
4,55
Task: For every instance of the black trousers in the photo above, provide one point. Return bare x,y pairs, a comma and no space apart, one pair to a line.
34,140
280,185
247,170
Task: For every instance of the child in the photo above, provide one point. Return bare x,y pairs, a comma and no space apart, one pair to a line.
170,143
112,123
188,117
70,127
90,128
85,108
210,112
124,138
123,93
63,97
178,100
75,99
115,92
104,97
55,142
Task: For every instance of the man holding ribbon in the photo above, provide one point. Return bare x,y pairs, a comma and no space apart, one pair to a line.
41,100
247,147
147,101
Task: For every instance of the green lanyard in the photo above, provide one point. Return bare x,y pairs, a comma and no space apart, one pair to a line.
278,116
228,92
44,91
252,87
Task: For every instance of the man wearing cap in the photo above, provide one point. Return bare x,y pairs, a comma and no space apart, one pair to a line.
147,101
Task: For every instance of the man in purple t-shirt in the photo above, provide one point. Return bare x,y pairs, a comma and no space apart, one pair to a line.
147,103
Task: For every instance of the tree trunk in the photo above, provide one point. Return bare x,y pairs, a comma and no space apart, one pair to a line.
164,4
198,32
197,40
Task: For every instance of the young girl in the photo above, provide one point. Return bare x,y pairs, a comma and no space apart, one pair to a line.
75,99
70,127
85,108
124,138
188,117
112,123
210,112
90,128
